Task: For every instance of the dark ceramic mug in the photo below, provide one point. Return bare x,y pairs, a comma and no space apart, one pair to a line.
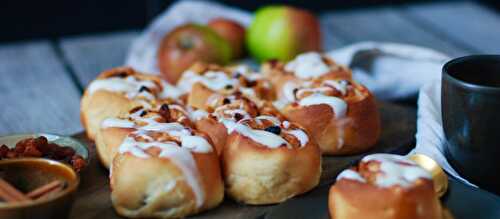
470,100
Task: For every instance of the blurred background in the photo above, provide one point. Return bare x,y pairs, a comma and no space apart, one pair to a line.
22,20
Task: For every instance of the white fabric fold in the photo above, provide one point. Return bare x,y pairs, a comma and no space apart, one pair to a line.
391,70
430,134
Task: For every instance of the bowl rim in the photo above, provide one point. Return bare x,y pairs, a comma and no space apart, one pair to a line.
68,191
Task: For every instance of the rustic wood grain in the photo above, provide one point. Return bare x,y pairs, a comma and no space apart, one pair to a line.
385,24
398,129
467,23
36,93
89,55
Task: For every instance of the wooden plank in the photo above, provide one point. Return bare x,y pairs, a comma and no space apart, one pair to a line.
398,130
36,92
467,23
385,24
89,55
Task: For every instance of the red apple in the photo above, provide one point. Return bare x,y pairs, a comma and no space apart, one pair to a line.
188,44
282,32
233,32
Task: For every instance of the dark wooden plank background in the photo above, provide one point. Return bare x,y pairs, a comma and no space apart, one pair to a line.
36,93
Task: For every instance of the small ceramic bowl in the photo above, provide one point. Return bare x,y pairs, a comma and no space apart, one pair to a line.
27,174
80,148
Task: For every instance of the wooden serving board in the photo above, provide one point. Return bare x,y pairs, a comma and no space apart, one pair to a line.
93,198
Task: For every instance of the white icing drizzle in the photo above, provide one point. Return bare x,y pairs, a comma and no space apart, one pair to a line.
397,170
299,134
273,119
129,85
350,174
214,80
286,124
341,85
169,91
338,105
307,65
114,122
262,137
229,122
246,72
269,139
288,91
249,92
198,114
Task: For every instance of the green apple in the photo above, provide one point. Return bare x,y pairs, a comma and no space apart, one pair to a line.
282,32
188,44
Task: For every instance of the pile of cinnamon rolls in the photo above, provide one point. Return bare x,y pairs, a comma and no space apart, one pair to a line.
175,150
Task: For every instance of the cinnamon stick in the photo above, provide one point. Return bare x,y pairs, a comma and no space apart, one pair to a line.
11,194
42,190
51,192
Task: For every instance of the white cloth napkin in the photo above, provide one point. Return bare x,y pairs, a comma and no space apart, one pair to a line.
430,134
389,70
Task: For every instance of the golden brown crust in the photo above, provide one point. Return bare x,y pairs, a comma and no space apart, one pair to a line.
357,131
255,174
216,131
102,104
350,199
138,186
108,142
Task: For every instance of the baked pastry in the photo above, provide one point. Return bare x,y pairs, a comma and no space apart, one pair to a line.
114,130
320,95
164,168
340,114
384,186
268,161
306,66
202,82
220,114
115,92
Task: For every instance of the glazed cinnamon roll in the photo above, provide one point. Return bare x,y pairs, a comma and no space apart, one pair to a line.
268,161
114,130
116,91
384,186
306,66
202,82
340,114
163,168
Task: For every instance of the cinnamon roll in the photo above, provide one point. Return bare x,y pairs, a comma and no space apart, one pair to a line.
116,91
202,82
340,114
384,186
114,130
306,66
268,161
163,168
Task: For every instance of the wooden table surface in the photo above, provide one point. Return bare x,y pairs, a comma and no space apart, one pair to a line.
41,81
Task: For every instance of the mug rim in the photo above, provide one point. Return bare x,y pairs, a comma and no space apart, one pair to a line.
465,84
